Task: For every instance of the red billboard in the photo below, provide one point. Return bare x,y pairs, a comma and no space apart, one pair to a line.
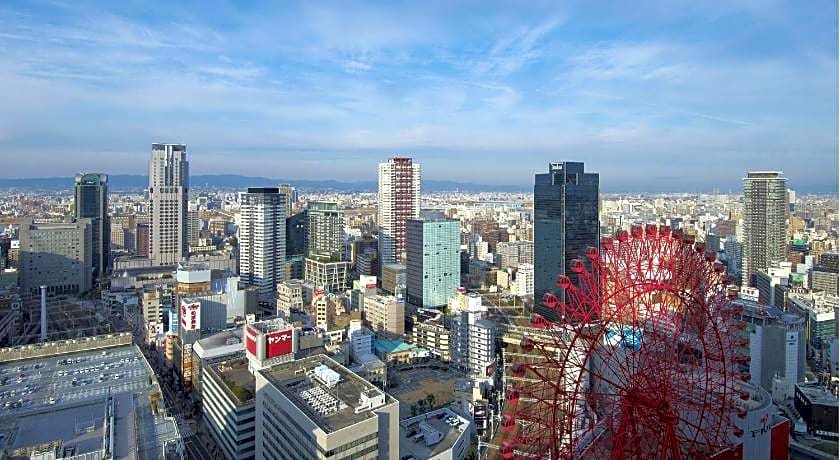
250,341
278,343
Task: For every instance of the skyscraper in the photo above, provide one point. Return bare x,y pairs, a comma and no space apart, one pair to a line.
325,230
91,202
289,196
194,224
765,214
433,261
565,224
399,201
262,241
168,187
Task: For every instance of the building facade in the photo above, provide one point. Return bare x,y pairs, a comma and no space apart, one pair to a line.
325,230
262,241
765,231
168,189
525,280
433,264
328,275
513,253
565,224
228,398
473,340
399,201
91,202
296,230
56,255
385,314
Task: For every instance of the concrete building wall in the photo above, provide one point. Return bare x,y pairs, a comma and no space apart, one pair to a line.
57,255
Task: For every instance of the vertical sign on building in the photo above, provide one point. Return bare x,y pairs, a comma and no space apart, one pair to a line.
190,316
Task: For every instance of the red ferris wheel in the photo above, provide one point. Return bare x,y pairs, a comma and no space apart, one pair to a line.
643,363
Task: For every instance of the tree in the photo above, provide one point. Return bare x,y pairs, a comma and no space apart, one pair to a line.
430,398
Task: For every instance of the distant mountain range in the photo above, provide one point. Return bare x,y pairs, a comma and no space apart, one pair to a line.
129,182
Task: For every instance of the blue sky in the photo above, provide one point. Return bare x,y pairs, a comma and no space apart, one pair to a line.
670,95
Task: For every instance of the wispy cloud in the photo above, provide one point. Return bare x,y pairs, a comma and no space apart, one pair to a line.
515,50
733,84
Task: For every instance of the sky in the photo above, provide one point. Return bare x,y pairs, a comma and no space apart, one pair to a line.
680,95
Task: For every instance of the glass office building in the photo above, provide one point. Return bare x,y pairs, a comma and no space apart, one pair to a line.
433,261
565,224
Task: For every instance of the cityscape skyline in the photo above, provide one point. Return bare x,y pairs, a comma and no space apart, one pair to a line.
631,97
419,231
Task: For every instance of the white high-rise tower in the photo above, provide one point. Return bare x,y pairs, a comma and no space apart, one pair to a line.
399,201
168,188
262,241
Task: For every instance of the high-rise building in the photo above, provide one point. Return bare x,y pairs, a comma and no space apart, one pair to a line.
56,255
399,201
168,187
765,214
565,224
473,338
324,230
143,240
525,279
433,261
316,408
360,246
194,224
296,229
91,202
776,347
262,241
290,197
734,255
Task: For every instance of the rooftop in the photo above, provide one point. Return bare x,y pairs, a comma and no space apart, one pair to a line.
330,405
237,378
61,399
818,394
393,346
221,339
432,433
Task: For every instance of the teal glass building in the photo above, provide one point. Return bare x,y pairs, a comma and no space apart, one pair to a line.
433,261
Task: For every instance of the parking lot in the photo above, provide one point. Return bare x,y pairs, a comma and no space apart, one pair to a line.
416,382
71,378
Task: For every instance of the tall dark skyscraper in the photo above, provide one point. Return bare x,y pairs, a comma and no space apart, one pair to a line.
91,202
565,224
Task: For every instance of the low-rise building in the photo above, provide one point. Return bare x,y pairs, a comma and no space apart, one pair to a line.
393,279
818,407
289,298
330,275
430,332
385,314
441,434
